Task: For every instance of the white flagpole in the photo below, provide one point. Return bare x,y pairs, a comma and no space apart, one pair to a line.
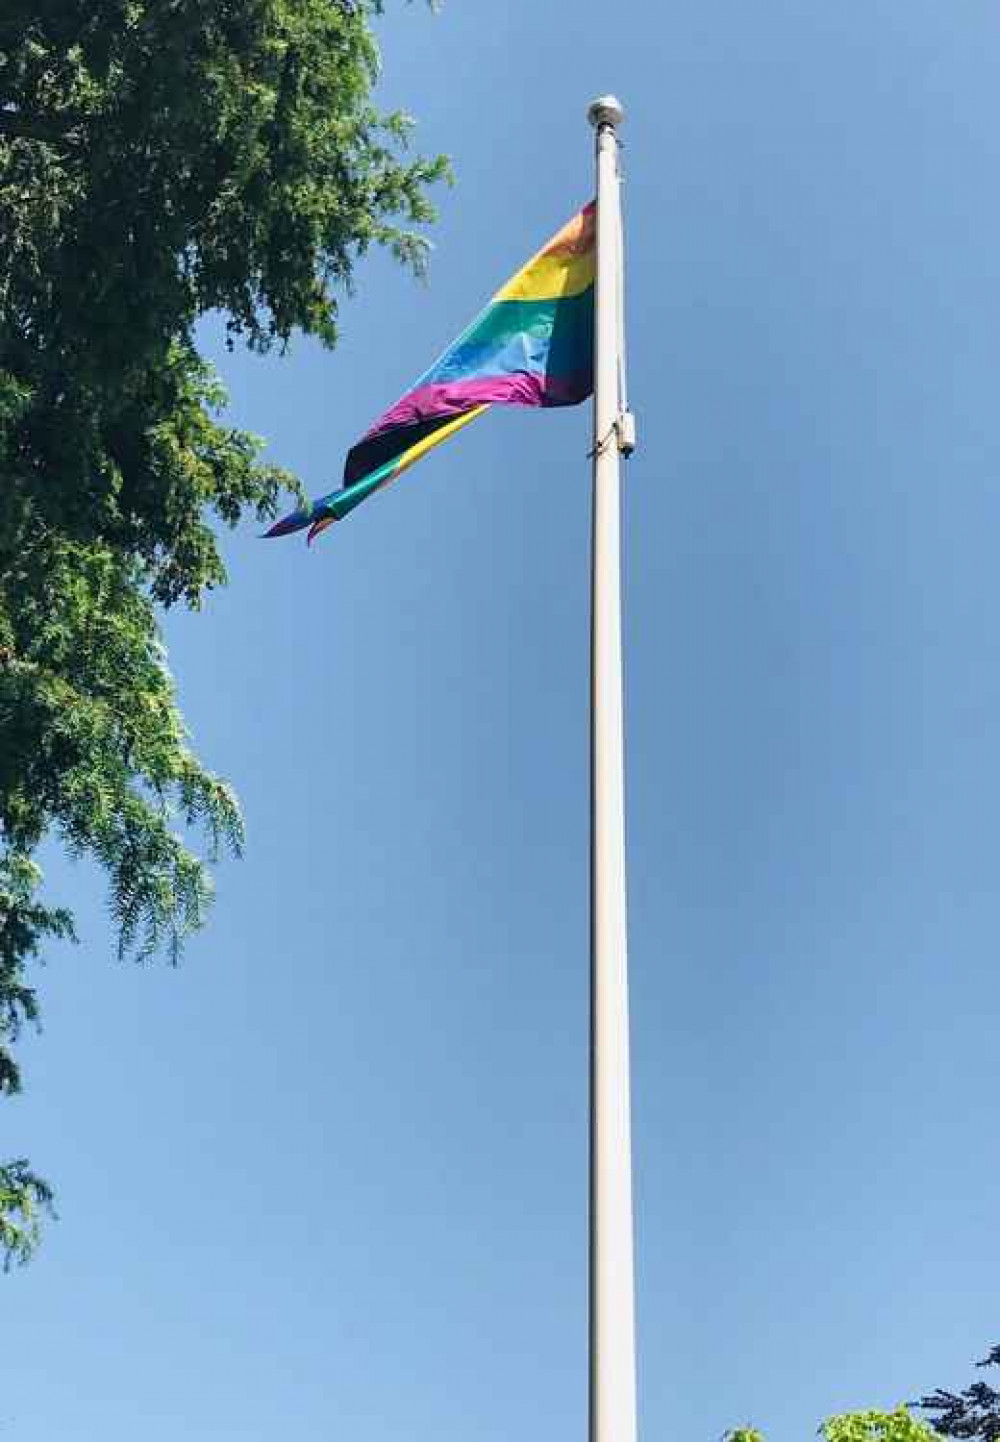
612,1303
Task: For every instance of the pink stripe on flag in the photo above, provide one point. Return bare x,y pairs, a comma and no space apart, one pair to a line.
452,398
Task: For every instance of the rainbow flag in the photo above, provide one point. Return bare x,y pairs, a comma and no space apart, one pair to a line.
531,346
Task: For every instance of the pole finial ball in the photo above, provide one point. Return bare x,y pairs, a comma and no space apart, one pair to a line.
608,110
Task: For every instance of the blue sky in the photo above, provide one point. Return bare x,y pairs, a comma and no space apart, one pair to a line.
328,1179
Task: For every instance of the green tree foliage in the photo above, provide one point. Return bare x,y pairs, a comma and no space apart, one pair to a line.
23,1197
159,159
973,1413
898,1426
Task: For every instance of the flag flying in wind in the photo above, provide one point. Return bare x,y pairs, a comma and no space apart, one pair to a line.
531,346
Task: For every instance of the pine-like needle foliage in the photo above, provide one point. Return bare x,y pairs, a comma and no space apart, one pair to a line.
23,1199
974,1413
159,159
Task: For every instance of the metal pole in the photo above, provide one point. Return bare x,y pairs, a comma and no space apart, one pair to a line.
612,1303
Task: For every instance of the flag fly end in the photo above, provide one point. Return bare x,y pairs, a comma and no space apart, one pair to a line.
532,345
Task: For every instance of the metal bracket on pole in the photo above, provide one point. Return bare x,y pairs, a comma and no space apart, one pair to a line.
625,428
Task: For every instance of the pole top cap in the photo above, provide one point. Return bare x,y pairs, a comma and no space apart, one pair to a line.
607,110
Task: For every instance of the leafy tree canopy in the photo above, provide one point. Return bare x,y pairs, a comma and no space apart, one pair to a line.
159,159
974,1413
897,1426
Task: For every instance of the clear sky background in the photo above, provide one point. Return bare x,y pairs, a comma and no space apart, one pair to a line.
328,1180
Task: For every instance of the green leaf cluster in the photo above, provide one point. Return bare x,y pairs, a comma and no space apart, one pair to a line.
159,160
874,1426
896,1426
24,1198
